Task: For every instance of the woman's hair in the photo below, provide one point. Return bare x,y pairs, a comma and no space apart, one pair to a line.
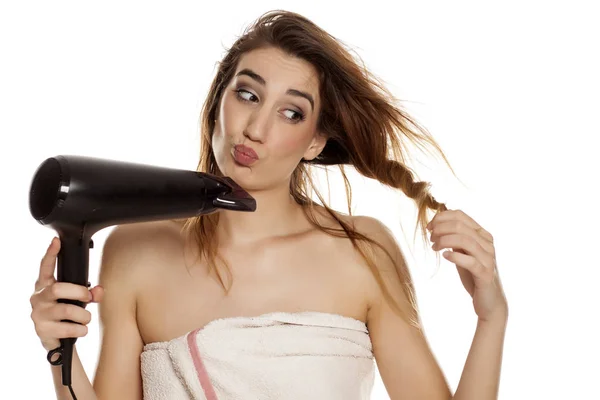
365,128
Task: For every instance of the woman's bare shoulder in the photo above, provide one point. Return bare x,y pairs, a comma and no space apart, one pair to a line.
363,224
140,245
144,235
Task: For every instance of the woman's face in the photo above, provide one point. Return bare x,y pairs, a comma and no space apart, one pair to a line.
271,106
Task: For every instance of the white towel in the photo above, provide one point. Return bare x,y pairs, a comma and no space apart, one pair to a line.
305,355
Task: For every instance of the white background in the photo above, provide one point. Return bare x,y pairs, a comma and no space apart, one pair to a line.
510,90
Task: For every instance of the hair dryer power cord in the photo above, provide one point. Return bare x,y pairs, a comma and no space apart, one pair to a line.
66,370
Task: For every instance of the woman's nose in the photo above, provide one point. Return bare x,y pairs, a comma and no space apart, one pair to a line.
257,126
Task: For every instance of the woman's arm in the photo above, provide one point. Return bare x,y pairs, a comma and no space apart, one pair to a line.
118,374
481,375
474,255
406,364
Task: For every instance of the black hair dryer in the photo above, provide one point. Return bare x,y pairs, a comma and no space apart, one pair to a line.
78,196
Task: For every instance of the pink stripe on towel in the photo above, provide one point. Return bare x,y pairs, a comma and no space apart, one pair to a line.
209,391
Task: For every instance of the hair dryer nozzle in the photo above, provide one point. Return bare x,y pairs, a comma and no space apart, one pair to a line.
237,199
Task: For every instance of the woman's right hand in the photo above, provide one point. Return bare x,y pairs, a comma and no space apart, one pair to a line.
47,313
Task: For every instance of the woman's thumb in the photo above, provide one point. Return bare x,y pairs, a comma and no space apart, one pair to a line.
97,294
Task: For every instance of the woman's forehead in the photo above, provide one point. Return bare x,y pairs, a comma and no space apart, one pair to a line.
273,67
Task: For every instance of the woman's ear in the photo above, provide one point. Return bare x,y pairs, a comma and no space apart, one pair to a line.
316,146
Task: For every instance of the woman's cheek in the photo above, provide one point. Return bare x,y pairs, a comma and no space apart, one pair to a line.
289,145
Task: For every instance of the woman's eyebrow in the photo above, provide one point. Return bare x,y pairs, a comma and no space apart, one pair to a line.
291,92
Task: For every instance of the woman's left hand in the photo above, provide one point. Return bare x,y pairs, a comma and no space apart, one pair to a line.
474,255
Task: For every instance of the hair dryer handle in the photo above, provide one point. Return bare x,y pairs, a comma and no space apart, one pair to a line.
72,267
73,263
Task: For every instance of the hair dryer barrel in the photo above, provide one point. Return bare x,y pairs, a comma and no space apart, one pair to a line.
71,191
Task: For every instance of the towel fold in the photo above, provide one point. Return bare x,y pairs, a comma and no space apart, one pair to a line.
305,355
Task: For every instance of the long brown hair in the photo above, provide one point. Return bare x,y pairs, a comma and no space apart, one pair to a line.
365,127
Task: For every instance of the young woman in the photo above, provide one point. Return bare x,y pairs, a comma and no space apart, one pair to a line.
295,300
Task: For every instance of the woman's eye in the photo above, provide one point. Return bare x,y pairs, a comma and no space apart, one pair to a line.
242,92
294,115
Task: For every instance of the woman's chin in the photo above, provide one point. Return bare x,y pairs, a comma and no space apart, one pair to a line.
242,175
